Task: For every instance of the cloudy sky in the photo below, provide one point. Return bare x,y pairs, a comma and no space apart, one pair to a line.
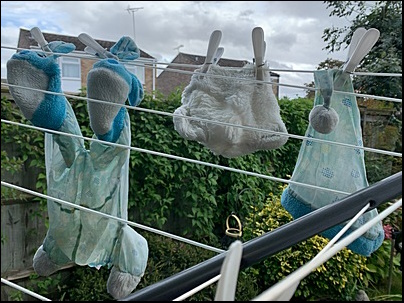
292,29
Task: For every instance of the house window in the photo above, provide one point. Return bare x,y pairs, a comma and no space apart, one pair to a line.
138,71
70,68
70,74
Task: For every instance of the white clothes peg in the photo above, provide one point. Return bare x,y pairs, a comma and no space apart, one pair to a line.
213,46
366,41
227,278
226,287
259,47
94,48
90,51
218,55
282,290
38,36
357,35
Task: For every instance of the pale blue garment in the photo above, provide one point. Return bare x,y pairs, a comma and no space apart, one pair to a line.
98,179
333,166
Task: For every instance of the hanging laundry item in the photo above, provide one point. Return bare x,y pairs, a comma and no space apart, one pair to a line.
335,167
96,178
324,118
226,95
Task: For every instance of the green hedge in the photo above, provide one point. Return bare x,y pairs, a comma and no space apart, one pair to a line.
194,201
336,280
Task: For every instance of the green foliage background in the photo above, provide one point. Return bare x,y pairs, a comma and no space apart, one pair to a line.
385,56
193,201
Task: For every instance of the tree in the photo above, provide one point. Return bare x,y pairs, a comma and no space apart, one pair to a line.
386,55
326,64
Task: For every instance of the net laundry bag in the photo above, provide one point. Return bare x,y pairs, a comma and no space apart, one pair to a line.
96,178
229,98
333,166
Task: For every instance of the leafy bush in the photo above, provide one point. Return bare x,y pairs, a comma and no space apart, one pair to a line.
334,280
22,150
194,200
54,286
87,284
378,264
166,258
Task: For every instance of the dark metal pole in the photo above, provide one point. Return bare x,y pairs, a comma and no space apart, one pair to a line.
277,240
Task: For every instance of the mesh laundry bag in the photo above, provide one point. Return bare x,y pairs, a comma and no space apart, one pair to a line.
231,99
93,175
96,178
333,166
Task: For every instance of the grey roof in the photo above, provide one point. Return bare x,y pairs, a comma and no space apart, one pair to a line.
168,80
198,60
26,41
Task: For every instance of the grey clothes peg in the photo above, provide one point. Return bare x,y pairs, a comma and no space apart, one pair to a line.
226,287
218,55
213,46
38,36
259,47
357,35
323,118
361,43
94,48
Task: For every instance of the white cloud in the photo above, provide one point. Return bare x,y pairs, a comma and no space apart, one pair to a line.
293,29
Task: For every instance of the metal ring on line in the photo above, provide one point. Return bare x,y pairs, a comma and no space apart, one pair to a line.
232,231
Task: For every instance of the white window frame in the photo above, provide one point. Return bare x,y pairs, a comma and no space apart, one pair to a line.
69,60
138,71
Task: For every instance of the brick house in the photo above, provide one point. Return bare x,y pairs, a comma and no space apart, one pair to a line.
74,70
168,81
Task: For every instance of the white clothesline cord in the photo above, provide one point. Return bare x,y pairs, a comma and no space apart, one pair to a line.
286,296
83,55
282,286
175,157
342,231
285,70
137,108
198,288
27,291
178,158
379,151
353,73
377,74
369,96
293,286
254,81
331,243
79,55
147,228
173,236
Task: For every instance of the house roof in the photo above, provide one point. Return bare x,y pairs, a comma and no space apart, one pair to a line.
199,60
168,80
26,41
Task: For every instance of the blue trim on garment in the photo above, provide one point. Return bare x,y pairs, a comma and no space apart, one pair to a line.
297,209
51,112
116,128
136,92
